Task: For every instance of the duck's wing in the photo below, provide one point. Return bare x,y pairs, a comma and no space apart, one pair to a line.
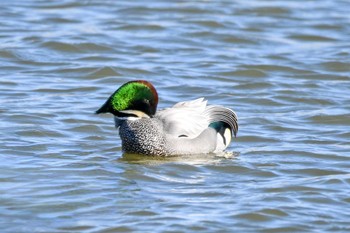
185,119
189,119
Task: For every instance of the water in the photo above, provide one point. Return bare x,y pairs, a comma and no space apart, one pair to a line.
283,66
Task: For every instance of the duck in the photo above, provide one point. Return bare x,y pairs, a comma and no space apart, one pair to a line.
189,127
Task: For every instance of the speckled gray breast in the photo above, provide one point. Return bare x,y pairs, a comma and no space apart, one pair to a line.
143,136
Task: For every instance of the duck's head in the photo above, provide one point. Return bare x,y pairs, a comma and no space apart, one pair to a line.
133,99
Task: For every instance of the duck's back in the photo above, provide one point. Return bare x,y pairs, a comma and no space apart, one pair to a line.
193,127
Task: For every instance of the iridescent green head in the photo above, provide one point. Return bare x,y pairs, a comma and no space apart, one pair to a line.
132,99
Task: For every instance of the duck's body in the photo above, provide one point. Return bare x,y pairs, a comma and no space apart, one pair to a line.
190,127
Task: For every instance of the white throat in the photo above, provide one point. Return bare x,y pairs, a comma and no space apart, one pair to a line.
136,114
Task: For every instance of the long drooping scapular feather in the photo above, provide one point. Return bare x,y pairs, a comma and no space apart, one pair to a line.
222,114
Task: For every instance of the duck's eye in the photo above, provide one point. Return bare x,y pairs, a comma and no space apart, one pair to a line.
183,136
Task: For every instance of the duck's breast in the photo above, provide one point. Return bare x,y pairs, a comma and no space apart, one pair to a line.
142,136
